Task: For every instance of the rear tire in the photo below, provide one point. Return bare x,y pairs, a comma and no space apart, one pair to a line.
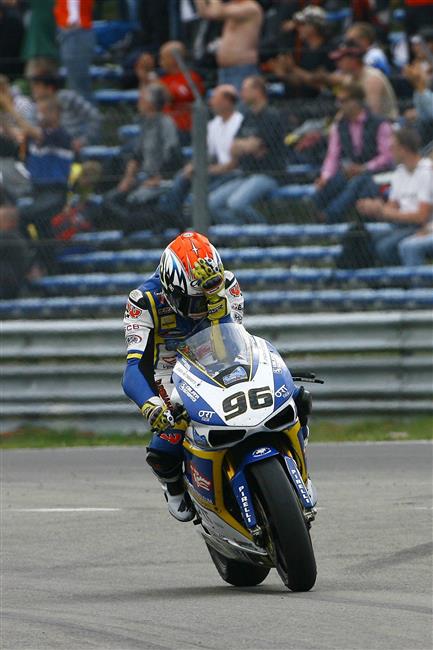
290,541
239,574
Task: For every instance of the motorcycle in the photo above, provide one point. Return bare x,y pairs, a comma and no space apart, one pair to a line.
244,465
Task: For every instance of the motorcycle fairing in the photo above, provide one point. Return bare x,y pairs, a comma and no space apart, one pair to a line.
206,487
215,516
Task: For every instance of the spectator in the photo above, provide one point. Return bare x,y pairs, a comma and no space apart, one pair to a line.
422,99
22,104
40,36
422,51
238,50
49,159
259,152
380,97
410,202
417,249
77,43
79,118
312,28
180,93
221,132
14,254
144,68
11,38
157,151
359,145
364,36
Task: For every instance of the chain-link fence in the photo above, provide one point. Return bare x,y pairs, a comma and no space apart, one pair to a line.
293,185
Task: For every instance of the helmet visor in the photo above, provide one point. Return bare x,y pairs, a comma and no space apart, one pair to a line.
187,306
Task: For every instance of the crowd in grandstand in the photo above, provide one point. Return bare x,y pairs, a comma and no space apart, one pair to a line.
342,89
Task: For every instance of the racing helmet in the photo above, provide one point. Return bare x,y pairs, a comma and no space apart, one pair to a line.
181,290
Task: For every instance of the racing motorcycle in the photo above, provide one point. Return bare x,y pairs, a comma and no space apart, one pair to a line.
244,466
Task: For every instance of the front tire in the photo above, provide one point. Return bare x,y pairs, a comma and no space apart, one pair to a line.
239,574
289,541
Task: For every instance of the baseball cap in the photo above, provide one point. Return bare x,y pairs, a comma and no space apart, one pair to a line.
311,14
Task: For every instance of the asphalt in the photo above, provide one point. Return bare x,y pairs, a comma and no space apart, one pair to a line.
132,577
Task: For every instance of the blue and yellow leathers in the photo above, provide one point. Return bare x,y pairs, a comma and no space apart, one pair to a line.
153,332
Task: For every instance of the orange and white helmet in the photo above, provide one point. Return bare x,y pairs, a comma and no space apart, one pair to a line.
181,290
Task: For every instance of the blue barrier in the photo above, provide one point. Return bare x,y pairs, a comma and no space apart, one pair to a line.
247,277
273,300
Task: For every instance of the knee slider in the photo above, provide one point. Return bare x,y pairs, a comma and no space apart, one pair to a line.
304,404
165,466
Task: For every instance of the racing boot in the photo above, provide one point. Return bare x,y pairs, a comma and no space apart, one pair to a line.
178,501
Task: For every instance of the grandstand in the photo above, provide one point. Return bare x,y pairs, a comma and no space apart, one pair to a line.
293,260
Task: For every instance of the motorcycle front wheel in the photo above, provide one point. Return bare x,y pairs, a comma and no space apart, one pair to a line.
279,513
239,574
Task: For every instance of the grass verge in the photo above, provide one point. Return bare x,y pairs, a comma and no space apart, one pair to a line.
322,430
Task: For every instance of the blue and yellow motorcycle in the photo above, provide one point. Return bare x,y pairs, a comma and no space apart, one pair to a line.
245,468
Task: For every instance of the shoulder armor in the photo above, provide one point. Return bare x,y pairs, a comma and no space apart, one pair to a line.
138,298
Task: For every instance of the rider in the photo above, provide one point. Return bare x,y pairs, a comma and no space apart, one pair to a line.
189,287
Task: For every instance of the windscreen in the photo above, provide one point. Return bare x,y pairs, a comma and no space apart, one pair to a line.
223,351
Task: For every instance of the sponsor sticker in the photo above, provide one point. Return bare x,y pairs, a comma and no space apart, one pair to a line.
282,391
188,391
136,295
235,290
168,322
276,366
261,452
133,339
132,311
131,327
199,480
237,374
206,415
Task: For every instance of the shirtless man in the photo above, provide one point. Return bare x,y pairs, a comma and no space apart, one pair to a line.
237,54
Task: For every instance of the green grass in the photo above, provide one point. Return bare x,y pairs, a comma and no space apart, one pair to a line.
338,430
322,430
39,438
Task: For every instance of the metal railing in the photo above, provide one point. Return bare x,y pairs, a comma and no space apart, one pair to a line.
68,373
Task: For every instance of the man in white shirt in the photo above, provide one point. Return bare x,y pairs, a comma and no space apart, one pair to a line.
221,132
410,203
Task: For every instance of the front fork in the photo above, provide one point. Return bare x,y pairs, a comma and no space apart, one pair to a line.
296,465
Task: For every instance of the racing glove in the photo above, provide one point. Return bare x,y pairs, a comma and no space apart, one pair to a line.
158,415
213,284
160,418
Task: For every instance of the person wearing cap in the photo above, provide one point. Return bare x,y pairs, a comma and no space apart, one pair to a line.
359,146
379,94
364,35
221,131
311,25
238,50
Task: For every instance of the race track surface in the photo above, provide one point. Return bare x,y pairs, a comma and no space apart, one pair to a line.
132,577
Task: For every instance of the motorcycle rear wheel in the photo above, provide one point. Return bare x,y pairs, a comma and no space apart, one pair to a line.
239,574
289,541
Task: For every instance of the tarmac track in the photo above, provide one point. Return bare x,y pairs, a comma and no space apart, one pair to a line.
132,577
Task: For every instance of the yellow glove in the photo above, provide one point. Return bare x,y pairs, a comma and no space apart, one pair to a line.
158,415
213,283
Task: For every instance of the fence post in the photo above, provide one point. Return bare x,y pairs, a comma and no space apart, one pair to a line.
200,211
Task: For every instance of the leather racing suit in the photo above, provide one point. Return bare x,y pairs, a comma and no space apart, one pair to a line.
153,331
